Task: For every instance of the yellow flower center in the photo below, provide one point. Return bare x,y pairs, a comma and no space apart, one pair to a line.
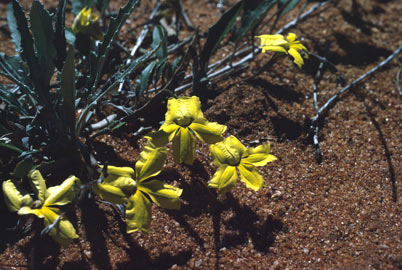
184,121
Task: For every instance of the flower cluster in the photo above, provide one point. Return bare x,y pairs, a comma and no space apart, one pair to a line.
184,121
136,188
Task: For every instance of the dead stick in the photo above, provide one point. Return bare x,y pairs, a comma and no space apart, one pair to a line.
140,39
322,111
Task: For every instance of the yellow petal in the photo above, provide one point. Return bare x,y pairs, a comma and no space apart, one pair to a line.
63,232
224,179
209,132
28,210
86,22
229,151
110,193
150,162
163,195
13,198
259,156
122,178
64,193
38,184
169,128
250,176
291,37
272,40
138,213
120,171
158,138
298,60
274,48
184,147
182,111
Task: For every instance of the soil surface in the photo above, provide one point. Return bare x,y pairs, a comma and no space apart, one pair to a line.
342,213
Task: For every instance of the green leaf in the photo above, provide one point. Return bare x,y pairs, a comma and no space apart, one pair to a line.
286,5
12,68
116,79
12,25
23,167
27,45
60,35
144,79
217,32
44,38
11,147
12,100
115,25
102,5
68,91
253,13
158,36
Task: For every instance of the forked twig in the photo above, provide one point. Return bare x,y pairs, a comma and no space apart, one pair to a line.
141,38
323,110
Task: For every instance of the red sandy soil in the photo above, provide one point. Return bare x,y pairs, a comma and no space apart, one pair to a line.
342,213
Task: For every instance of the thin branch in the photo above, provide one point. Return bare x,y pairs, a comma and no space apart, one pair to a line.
323,110
141,38
334,98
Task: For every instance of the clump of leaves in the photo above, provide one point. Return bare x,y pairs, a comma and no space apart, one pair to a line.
38,120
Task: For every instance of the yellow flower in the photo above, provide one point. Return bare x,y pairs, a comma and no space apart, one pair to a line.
290,45
124,185
184,121
86,22
47,206
230,155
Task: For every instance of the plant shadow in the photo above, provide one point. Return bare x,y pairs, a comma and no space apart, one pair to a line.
357,53
355,18
388,155
95,224
41,251
278,91
246,224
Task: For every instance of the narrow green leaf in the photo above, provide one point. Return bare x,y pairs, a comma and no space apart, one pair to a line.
23,167
27,45
117,78
158,35
60,35
286,5
217,32
12,68
114,28
11,147
160,69
102,5
12,25
44,38
68,91
144,79
253,13
12,101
